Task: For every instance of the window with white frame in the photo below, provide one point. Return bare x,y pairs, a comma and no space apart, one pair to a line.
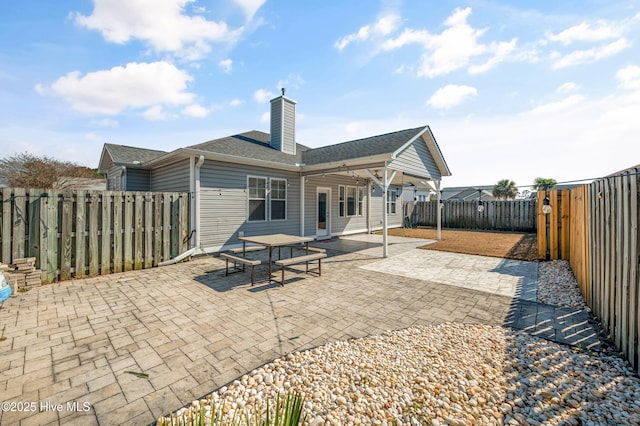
392,199
341,200
278,196
361,192
350,200
257,192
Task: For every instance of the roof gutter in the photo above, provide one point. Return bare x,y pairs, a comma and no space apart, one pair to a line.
187,152
196,201
361,161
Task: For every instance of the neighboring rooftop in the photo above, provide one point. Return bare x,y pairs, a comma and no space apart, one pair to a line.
130,154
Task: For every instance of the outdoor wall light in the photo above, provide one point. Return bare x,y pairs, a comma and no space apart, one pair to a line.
546,205
480,202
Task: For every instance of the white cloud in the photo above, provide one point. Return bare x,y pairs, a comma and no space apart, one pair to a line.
236,102
355,127
578,57
250,7
567,87
162,24
105,122
629,77
293,81
565,104
261,96
196,110
265,117
450,96
384,26
226,65
156,113
94,137
601,30
135,85
454,48
502,51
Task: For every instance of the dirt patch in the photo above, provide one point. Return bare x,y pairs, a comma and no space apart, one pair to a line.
519,246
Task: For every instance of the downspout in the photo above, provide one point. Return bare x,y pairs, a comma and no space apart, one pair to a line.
302,178
438,212
123,179
196,227
369,227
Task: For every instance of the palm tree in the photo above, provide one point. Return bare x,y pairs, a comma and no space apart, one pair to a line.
505,189
543,183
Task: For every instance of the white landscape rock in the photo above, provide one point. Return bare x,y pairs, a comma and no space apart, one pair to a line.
558,286
448,374
451,374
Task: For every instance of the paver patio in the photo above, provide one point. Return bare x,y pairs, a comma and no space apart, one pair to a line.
192,330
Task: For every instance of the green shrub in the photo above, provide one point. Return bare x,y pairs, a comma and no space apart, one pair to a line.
285,412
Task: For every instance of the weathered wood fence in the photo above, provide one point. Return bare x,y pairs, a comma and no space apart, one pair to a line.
76,233
517,215
603,247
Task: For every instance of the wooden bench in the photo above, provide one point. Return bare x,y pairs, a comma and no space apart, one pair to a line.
283,263
248,248
302,247
243,260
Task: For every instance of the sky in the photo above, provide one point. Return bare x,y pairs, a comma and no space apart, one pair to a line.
510,89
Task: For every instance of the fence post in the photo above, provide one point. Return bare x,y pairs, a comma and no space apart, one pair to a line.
81,234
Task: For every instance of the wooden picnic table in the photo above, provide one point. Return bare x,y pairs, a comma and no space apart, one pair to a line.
275,240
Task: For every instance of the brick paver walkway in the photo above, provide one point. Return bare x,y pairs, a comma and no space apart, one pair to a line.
189,330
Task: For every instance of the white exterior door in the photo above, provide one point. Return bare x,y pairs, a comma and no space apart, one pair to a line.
323,213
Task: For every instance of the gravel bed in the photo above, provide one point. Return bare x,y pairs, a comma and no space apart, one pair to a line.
448,374
558,286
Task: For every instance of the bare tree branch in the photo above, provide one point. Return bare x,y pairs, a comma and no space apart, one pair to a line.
30,171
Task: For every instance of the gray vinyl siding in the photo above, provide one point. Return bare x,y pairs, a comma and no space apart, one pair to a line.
171,178
283,125
276,124
393,220
138,180
289,128
416,160
224,204
114,178
339,225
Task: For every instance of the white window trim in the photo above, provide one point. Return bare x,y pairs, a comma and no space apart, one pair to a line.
286,198
266,198
345,202
389,202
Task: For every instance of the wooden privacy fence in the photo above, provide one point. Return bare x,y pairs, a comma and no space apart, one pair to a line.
517,215
595,228
553,228
614,264
76,233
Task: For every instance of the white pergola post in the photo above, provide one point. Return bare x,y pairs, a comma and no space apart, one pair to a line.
438,212
385,247
384,185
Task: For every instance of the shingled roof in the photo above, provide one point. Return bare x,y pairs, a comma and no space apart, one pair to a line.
375,145
253,144
130,154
